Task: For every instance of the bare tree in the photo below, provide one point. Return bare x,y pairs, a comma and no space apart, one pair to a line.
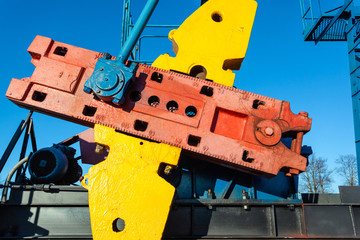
348,169
317,178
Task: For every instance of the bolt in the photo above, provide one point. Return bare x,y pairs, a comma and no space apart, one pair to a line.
98,91
99,149
305,114
106,79
118,225
167,169
106,56
269,131
244,194
209,194
101,69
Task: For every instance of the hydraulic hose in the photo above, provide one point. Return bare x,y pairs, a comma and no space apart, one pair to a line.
10,175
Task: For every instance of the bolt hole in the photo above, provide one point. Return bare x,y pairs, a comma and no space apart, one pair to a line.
191,111
216,17
38,96
194,140
206,90
245,157
198,72
89,111
135,96
157,77
172,106
141,143
154,101
61,51
140,125
258,103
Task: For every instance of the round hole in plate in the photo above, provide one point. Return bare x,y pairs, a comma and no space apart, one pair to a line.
216,17
172,106
191,111
154,101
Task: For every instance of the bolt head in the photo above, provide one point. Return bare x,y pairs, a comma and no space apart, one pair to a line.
305,114
167,170
106,56
118,225
269,131
99,149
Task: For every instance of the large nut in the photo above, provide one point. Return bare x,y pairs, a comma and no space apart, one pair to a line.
268,132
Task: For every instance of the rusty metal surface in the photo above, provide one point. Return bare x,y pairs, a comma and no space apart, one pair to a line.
225,125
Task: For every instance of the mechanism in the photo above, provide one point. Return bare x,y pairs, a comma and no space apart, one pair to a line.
204,114
148,118
54,165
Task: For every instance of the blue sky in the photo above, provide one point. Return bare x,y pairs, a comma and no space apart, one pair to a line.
278,64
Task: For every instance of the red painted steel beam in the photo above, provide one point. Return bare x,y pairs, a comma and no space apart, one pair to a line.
231,127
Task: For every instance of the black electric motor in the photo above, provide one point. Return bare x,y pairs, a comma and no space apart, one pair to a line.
55,164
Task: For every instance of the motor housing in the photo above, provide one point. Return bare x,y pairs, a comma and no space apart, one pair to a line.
54,164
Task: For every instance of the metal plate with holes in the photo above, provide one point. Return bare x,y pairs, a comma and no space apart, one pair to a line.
169,107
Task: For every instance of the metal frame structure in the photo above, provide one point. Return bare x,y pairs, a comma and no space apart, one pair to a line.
55,211
29,132
127,28
61,212
339,24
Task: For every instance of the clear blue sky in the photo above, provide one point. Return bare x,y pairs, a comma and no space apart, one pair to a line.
278,64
